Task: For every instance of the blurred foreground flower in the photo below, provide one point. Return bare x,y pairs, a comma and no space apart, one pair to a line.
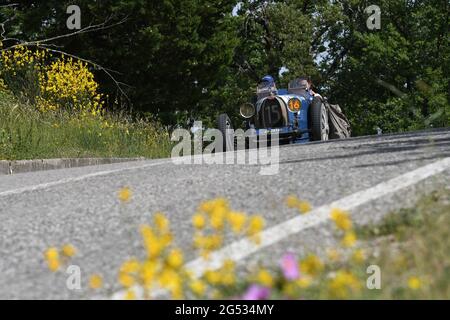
130,295
414,283
341,219
311,265
343,284
68,250
125,194
333,255
256,292
265,278
163,266
52,257
358,256
349,239
301,205
95,281
289,267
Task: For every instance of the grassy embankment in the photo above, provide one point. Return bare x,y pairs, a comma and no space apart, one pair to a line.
26,133
51,107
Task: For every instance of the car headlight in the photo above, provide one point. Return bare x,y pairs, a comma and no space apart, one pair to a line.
247,110
294,104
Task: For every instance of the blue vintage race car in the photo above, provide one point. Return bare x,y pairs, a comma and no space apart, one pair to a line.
294,113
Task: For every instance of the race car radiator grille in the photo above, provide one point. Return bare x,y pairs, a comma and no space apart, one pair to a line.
271,114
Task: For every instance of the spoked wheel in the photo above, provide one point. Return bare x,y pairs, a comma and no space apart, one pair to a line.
319,120
224,125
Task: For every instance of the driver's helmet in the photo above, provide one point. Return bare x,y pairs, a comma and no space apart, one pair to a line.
268,79
266,86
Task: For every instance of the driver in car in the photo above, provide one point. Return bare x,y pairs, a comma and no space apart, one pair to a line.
266,87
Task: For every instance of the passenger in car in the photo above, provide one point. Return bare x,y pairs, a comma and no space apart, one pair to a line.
310,86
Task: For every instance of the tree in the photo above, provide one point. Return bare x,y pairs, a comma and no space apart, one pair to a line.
169,53
393,77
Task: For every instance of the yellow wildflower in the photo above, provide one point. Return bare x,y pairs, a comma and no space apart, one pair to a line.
130,295
212,277
304,282
264,278
292,201
358,256
53,265
341,219
177,292
95,281
414,283
169,279
130,266
237,221
52,254
68,250
217,217
311,265
148,272
161,222
333,255
198,221
153,244
255,225
304,207
214,241
210,206
52,257
343,284
175,258
126,280
349,239
228,279
198,287
125,194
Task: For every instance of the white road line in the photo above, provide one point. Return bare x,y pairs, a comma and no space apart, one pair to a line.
241,249
46,185
79,178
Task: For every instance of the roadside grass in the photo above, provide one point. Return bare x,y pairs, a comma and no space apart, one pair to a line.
26,133
410,248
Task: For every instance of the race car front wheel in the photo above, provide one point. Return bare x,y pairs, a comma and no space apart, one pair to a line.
224,125
320,128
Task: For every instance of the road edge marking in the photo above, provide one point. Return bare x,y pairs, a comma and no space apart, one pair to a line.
46,185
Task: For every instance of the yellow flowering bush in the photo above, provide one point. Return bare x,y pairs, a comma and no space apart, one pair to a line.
51,83
19,72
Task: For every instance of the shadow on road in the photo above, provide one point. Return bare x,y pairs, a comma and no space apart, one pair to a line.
415,150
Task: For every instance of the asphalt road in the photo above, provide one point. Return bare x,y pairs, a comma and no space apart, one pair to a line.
80,205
